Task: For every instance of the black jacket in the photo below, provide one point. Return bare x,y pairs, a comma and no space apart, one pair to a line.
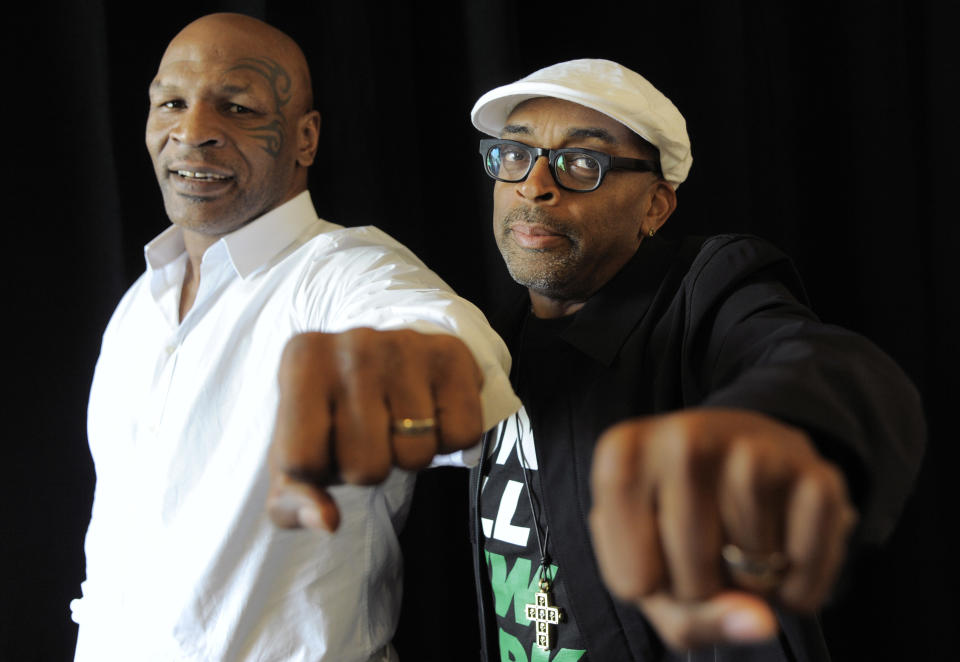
718,322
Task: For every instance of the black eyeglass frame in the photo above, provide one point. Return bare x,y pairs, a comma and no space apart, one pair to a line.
605,161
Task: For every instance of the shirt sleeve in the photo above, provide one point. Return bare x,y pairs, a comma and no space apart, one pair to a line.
364,278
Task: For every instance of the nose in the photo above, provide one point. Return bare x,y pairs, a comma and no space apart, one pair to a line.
198,126
539,186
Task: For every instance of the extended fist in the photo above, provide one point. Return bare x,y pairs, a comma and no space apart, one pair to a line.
672,493
353,405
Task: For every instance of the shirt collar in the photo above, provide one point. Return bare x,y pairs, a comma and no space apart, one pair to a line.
250,246
603,324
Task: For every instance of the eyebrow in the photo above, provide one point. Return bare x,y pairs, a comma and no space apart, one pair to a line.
156,85
171,87
235,89
577,132
592,132
516,128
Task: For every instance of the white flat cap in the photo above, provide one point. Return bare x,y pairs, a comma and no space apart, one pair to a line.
608,88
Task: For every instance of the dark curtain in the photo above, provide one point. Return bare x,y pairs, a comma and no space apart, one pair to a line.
826,127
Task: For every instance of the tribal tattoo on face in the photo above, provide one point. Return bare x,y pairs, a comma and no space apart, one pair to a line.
273,133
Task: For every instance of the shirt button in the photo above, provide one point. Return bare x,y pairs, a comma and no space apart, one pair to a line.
171,349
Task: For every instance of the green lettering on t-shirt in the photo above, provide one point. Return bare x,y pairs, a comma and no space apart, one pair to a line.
537,654
517,587
511,650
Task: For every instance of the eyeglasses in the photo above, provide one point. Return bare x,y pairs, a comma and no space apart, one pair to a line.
573,168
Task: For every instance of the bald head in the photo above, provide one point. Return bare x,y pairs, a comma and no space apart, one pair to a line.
232,128
226,35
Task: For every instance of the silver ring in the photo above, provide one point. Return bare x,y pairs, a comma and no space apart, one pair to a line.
414,425
760,572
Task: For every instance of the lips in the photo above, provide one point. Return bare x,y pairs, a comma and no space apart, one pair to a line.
535,236
199,180
202,176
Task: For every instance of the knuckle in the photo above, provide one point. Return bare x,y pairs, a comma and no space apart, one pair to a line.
834,483
397,342
301,349
400,342
765,471
689,456
684,441
304,367
615,456
743,463
798,438
810,494
441,342
447,354
371,359
824,488
354,350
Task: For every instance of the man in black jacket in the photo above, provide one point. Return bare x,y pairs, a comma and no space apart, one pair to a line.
696,451
681,403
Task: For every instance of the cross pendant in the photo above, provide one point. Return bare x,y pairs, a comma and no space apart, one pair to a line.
544,616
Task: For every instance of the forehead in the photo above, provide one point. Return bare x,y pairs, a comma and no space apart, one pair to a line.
226,59
547,117
234,74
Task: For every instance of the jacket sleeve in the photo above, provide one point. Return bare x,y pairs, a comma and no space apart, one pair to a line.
751,342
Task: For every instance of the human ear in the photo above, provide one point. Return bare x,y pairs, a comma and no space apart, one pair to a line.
308,136
663,200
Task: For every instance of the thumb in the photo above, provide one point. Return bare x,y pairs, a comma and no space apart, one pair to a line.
729,617
293,504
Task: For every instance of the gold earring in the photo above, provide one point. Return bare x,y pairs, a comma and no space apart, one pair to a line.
651,232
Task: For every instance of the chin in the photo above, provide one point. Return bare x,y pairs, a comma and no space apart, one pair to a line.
204,223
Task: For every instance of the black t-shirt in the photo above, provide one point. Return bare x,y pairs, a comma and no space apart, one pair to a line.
510,539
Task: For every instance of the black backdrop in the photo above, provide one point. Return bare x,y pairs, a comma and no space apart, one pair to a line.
825,127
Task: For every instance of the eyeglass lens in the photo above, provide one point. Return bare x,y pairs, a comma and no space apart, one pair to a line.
573,169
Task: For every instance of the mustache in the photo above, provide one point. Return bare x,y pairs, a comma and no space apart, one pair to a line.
534,215
203,155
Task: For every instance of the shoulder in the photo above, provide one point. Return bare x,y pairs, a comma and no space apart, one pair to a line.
131,301
335,261
732,251
721,262
359,248
364,277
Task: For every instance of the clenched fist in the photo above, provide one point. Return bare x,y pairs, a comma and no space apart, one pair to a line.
353,405
670,492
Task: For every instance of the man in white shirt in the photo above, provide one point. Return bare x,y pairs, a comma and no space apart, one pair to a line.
182,561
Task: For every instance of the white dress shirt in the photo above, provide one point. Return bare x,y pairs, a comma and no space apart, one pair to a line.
182,561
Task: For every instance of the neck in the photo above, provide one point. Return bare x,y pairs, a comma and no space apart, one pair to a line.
196,244
188,291
546,308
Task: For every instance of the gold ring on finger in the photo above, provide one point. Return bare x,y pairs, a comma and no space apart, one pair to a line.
414,425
